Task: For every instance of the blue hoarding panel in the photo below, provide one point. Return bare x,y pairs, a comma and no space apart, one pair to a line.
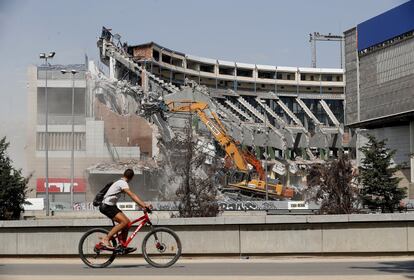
386,26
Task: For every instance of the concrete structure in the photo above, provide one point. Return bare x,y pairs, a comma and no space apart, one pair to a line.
242,235
303,106
294,115
101,136
379,64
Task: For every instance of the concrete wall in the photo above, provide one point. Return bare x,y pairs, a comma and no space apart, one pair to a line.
125,131
247,235
380,83
351,75
387,81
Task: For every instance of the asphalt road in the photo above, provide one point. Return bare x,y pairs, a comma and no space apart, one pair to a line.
294,268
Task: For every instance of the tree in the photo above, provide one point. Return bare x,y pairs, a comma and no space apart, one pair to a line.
330,184
197,192
376,175
13,186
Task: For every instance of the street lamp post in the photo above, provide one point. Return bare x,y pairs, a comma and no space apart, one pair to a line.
72,157
45,56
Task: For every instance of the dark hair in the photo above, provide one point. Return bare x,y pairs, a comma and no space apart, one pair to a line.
129,173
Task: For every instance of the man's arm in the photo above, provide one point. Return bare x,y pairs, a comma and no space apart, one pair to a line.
136,198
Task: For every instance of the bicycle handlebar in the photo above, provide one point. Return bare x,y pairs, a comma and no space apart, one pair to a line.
147,210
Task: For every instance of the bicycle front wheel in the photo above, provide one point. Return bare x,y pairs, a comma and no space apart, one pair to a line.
161,247
91,253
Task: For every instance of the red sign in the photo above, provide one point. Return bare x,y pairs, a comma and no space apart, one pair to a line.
61,185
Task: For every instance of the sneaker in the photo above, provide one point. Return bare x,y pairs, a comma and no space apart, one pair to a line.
130,250
106,246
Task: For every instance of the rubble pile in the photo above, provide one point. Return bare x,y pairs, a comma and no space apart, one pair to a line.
144,164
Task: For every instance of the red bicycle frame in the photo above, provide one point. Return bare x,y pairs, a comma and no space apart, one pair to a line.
143,221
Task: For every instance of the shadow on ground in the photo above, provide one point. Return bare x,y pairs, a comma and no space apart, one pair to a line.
129,266
405,268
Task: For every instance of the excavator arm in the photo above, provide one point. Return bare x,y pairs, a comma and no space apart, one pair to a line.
252,159
215,127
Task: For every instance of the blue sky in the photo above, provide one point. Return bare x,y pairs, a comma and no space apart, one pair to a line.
262,32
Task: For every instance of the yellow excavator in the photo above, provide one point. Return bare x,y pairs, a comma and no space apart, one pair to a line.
239,157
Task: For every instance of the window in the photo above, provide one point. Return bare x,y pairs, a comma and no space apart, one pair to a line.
156,55
192,65
244,73
329,78
176,62
61,141
226,71
288,76
166,58
266,74
207,68
312,78
279,76
302,77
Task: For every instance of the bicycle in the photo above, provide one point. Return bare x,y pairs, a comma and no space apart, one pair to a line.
161,247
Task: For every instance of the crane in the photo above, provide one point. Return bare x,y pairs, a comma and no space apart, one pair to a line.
240,157
316,36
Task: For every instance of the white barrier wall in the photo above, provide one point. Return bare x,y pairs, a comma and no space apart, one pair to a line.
246,235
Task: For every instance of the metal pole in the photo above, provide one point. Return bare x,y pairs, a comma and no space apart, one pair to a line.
47,143
312,40
266,143
72,159
340,49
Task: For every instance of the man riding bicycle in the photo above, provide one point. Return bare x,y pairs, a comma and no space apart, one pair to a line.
109,208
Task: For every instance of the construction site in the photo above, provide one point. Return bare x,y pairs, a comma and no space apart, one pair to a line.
277,118
299,166
257,127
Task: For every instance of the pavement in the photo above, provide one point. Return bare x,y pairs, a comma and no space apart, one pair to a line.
379,268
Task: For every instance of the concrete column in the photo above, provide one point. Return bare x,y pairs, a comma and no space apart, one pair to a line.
258,152
322,153
112,64
304,154
412,150
154,142
271,152
144,81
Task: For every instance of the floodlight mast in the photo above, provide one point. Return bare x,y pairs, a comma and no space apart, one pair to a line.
45,56
72,158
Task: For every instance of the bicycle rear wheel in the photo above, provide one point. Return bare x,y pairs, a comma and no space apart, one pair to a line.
161,247
91,253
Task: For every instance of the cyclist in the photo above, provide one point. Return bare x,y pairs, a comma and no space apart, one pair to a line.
109,208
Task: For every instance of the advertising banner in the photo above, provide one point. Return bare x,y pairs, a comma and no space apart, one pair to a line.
61,185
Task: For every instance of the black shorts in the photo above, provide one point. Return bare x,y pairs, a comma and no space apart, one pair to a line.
109,210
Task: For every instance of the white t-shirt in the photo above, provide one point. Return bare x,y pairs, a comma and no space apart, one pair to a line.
114,192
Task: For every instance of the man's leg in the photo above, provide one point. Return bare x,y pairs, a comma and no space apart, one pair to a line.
122,221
